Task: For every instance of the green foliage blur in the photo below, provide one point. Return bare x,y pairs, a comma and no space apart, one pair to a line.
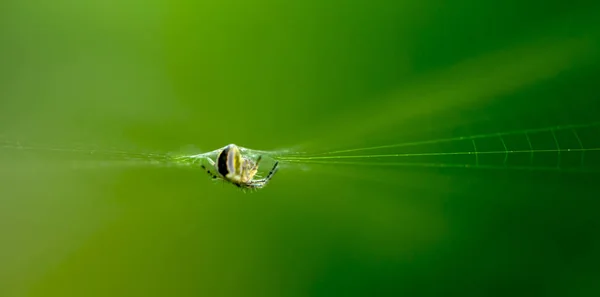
170,76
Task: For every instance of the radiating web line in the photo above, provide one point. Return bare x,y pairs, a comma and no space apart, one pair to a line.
448,165
435,141
105,155
90,151
438,154
378,159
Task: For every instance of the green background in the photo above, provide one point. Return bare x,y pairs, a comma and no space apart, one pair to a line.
171,76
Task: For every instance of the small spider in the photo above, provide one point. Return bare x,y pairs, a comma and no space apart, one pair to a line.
232,167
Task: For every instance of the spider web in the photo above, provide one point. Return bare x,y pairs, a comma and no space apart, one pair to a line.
572,148
559,148
85,156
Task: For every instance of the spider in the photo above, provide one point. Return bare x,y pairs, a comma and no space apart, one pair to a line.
232,167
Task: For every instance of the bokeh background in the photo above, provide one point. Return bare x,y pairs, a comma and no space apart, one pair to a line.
171,76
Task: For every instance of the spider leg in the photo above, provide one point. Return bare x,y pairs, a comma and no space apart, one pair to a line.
263,182
212,163
255,185
250,169
255,167
272,172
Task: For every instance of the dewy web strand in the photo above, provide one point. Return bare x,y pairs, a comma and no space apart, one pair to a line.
450,165
437,154
341,156
436,141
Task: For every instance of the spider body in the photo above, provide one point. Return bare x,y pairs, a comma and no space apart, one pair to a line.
231,166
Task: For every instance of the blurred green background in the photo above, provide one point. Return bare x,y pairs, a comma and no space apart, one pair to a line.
166,76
